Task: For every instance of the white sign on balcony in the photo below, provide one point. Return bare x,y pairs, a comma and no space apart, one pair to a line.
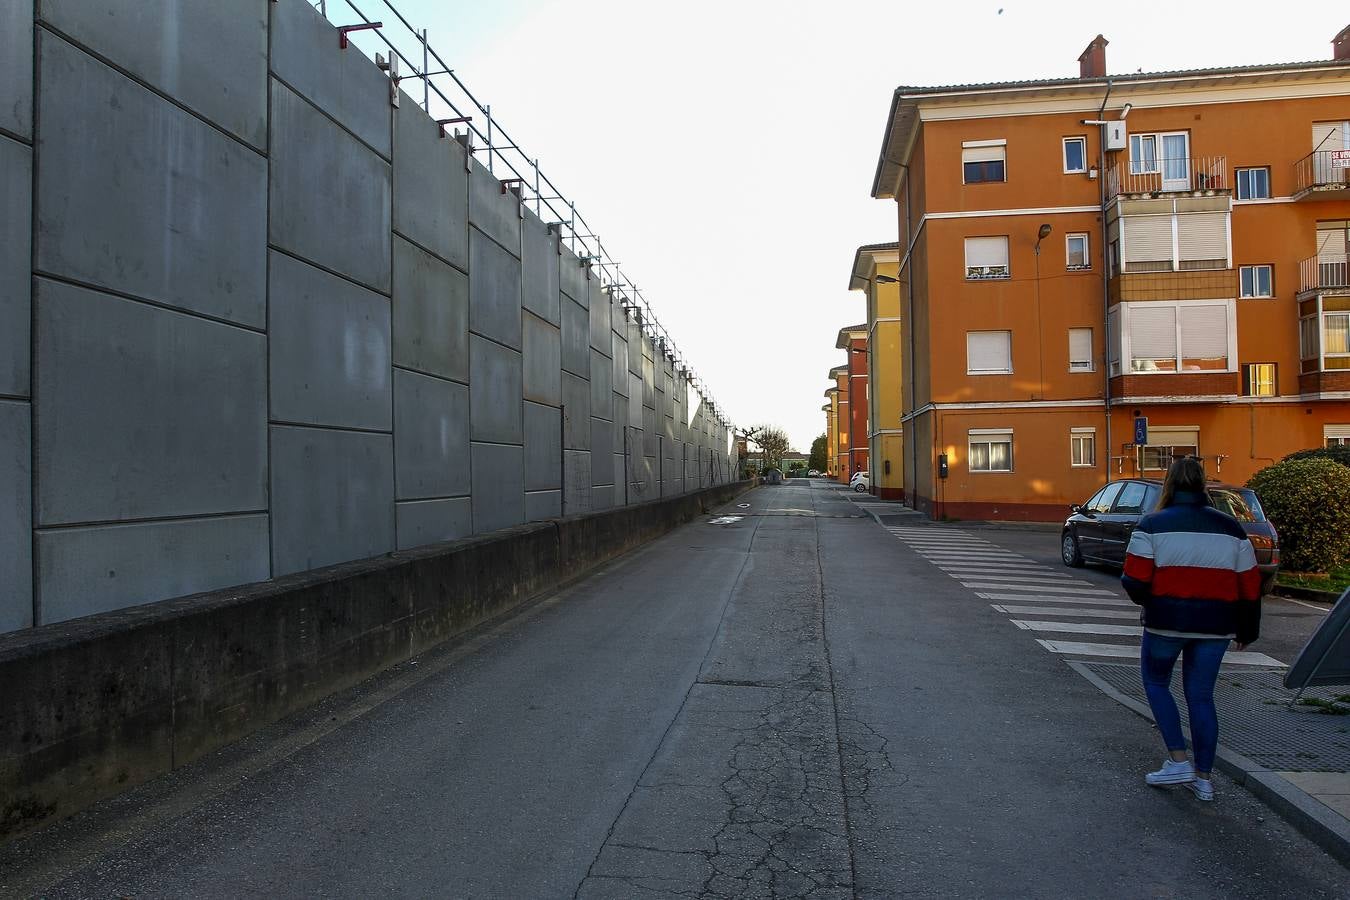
1340,159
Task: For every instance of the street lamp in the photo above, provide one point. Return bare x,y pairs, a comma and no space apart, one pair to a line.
886,279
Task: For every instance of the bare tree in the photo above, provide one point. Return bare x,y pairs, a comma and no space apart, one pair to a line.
772,442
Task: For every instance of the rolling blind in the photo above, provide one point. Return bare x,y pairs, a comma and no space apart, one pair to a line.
986,251
1080,348
1153,332
989,351
1331,136
1336,431
1203,235
1148,238
983,154
1204,332
1332,239
1184,436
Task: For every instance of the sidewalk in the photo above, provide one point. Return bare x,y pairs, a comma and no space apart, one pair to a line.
1293,756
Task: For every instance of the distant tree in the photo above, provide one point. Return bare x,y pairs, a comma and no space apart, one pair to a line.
772,442
818,459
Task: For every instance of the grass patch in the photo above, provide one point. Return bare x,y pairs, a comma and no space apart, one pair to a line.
1336,581
1336,706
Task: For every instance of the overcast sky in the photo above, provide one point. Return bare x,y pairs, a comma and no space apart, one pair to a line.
724,151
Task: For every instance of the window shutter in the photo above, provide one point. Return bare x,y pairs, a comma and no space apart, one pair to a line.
1204,332
1153,332
989,351
984,154
986,251
1080,348
1148,238
1331,239
1203,235
1184,436
1336,431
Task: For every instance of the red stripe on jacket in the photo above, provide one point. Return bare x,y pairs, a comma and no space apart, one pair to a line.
1138,567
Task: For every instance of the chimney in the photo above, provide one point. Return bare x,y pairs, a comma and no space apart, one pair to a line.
1092,64
1340,45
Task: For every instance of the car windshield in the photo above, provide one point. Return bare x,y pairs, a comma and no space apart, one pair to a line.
1240,504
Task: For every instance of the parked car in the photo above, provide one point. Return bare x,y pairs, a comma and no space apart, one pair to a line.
1099,530
861,482
814,473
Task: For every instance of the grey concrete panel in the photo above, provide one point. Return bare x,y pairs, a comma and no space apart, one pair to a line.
145,412
330,194
343,83
619,356
431,437
431,186
602,497
668,432
430,521
495,392
539,264
576,482
618,319
494,291
600,318
624,476
493,210
636,347
543,447
648,383
83,571
328,347
602,386
541,505
16,264
576,339
635,406
602,447
430,314
541,357
16,516
650,438
211,57
572,278
16,66
498,487
136,195
576,400
332,497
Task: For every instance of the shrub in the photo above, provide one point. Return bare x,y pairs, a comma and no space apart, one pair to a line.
1335,454
1309,502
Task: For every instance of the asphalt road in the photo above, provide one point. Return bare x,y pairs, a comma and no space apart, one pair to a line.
791,703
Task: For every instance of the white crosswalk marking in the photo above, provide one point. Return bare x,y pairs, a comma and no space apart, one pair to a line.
1052,588
1021,577
1085,601
1066,611
1124,651
1079,627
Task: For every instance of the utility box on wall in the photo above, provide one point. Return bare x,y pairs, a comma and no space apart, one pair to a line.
1116,135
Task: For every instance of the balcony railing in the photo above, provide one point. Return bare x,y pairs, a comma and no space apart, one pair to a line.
1192,174
1323,170
1327,271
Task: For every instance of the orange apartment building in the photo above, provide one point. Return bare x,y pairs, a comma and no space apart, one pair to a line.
843,420
873,273
831,410
1081,253
853,341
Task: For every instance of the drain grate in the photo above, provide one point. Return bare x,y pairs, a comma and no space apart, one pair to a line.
1257,718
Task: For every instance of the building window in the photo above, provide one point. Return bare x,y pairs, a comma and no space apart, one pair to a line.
989,353
983,161
1075,155
1080,350
1258,380
1256,281
1083,447
1336,435
1185,336
1168,443
1253,184
1076,251
986,257
1169,241
991,450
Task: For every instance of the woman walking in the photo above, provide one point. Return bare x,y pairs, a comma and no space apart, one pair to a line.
1193,571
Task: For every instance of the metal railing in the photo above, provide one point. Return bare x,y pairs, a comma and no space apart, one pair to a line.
1326,271
406,54
1162,175
1322,169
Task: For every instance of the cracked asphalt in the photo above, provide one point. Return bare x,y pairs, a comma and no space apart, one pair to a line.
785,704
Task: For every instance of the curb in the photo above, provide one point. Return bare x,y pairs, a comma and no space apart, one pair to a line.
1299,593
1311,817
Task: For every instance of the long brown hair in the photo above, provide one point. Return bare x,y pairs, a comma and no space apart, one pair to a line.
1186,475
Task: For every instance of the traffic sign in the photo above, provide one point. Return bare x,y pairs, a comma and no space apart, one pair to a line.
1141,430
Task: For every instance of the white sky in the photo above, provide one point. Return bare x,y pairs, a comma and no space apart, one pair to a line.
724,151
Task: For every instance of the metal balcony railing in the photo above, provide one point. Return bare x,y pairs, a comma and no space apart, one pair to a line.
410,60
1326,271
1322,170
1191,174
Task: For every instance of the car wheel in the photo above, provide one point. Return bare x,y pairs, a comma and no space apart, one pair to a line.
1068,550
859,489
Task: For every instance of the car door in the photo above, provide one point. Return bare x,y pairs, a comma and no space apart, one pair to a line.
1118,524
1089,529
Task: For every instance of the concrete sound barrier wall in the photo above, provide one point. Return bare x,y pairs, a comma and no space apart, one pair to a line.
281,321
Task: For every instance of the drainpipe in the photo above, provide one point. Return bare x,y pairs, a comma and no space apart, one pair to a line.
908,324
1106,277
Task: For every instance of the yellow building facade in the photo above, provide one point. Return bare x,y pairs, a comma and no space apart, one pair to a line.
875,273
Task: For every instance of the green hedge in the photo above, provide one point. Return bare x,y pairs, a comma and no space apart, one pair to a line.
1308,500
1335,454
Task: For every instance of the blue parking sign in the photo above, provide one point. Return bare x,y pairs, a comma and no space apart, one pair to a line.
1141,430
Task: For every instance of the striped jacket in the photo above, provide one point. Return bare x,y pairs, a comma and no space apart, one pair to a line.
1193,570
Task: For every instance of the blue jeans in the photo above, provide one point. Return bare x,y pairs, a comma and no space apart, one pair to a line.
1199,672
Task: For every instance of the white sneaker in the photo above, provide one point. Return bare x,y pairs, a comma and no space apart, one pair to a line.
1173,772
1202,788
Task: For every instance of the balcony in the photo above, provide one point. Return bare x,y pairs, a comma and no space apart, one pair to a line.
1324,273
1194,175
1323,175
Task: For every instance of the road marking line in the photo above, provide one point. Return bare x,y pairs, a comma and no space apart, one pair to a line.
1023,598
1014,581
1305,603
986,555
1079,627
1051,611
1016,568
986,586
1120,651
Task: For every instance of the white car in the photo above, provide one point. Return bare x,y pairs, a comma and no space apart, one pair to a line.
861,482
